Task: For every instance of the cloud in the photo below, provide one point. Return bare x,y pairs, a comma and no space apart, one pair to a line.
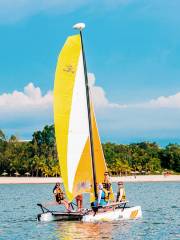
172,102
15,10
29,110
101,101
99,96
29,100
24,112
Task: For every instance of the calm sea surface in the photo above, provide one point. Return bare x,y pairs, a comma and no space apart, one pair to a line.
160,204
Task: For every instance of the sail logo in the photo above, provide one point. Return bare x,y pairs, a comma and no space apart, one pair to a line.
68,69
134,214
83,185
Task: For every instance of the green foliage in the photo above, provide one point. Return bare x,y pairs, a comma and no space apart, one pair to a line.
39,156
141,157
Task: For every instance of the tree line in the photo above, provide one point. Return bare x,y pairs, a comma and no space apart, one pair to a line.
38,157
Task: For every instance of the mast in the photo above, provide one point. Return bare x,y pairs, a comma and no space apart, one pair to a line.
80,26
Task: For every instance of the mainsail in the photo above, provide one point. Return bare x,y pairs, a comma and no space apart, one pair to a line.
72,123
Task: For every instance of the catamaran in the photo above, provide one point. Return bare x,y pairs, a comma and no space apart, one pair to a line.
79,147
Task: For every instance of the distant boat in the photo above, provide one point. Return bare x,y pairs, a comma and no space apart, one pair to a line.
79,147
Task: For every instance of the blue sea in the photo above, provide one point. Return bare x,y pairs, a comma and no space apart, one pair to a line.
160,204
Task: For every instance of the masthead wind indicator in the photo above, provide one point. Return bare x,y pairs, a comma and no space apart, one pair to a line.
79,26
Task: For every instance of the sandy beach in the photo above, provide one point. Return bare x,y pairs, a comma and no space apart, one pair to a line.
47,180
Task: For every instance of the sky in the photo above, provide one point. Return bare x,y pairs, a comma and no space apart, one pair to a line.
133,60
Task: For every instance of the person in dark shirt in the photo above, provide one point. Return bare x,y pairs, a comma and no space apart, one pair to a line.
59,196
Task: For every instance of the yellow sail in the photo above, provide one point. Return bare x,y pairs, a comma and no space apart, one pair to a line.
72,124
100,164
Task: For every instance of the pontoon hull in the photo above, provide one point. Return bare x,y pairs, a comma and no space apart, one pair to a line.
114,215
111,215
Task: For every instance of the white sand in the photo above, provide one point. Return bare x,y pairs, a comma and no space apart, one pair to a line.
139,178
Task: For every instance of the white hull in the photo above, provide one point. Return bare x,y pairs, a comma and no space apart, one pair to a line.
111,215
114,215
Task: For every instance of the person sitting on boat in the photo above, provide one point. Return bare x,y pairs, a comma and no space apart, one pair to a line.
121,195
102,199
59,196
107,184
79,202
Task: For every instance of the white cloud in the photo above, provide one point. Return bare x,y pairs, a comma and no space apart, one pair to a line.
99,96
30,110
14,10
30,100
172,101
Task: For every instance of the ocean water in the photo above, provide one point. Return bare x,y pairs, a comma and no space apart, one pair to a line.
160,204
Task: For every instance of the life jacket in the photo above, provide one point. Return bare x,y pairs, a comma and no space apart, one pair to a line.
124,195
59,195
106,185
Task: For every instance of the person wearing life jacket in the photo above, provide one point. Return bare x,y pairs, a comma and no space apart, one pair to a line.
79,202
102,199
107,184
59,196
121,195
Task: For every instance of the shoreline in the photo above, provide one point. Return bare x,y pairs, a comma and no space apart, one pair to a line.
48,180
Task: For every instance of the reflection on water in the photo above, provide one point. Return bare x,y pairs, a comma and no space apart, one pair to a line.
74,230
104,230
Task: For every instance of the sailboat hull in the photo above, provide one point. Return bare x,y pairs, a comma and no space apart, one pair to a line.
59,216
115,215
111,215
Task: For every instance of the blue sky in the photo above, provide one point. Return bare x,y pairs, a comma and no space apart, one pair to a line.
133,55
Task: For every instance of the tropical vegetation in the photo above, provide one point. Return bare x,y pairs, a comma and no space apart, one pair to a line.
38,157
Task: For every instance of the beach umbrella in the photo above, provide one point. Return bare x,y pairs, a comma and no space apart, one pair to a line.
4,173
17,174
27,174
